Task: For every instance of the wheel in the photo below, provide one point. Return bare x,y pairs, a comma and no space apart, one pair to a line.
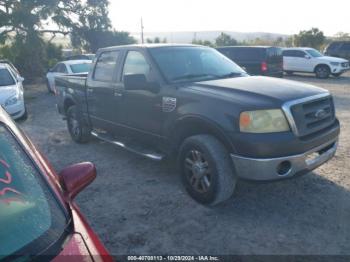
337,74
289,73
24,116
206,169
322,71
48,86
78,130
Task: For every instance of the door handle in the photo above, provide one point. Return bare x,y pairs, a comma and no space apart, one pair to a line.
118,94
90,90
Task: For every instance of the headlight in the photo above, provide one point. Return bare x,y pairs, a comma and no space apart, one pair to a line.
263,121
12,100
335,63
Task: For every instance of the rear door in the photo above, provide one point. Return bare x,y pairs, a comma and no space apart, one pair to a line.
248,58
344,51
274,60
100,88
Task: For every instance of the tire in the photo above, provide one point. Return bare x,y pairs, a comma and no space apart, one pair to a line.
205,157
289,73
78,130
48,87
337,74
24,117
322,71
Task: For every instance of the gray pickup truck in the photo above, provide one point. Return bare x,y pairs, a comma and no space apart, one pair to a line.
193,103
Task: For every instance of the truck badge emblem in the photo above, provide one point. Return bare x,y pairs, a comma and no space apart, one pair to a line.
320,114
168,104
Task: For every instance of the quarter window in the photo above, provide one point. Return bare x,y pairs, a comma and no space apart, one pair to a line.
105,65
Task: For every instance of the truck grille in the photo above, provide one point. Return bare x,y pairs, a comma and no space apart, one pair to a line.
310,116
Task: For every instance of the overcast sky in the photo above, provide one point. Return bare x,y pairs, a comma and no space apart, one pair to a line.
276,16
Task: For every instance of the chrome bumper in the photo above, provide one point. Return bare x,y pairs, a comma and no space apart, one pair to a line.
283,167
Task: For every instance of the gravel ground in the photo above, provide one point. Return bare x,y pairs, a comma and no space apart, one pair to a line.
139,207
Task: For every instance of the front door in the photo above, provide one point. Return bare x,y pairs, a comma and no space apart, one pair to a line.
141,109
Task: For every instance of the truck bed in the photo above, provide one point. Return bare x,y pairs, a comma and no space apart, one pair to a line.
72,86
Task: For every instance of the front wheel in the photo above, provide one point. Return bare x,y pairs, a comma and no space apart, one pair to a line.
322,71
78,130
206,169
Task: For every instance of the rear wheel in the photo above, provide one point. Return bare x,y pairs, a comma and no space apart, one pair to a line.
206,169
78,130
322,71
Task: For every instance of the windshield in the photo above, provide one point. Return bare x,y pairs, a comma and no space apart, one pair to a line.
31,219
80,68
6,78
314,53
183,64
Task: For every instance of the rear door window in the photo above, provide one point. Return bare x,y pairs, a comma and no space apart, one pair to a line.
105,66
247,54
6,78
31,219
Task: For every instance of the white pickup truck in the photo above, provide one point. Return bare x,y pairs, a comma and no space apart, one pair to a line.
309,60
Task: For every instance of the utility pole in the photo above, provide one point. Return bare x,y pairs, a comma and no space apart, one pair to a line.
142,41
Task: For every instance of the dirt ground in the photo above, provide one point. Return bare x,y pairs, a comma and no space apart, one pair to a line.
140,207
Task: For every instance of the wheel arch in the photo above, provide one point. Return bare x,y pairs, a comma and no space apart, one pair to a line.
195,125
322,64
68,102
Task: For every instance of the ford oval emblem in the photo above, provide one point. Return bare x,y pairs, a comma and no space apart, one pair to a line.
320,114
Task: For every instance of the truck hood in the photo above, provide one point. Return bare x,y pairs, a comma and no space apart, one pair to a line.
253,89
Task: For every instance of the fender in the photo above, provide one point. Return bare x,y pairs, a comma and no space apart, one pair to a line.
192,124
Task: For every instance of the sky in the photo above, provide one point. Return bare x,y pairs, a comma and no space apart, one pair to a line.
283,16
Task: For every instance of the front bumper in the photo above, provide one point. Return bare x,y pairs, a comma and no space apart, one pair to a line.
17,110
264,169
339,70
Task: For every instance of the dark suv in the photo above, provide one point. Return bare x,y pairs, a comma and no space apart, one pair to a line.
338,49
256,60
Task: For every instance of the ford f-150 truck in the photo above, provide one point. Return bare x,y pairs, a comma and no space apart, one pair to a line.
194,103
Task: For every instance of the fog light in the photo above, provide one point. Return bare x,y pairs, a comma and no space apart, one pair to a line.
283,168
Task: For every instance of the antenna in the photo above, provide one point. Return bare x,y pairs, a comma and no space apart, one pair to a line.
142,41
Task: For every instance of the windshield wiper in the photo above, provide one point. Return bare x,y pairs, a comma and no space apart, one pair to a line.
190,76
231,74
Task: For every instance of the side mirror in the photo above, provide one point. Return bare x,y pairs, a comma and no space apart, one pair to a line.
76,177
20,79
135,82
139,82
307,57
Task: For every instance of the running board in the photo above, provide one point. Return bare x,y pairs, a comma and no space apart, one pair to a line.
140,151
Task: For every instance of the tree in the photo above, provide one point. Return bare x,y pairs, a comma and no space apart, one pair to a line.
202,42
225,40
342,36
22,25
156,40
310,38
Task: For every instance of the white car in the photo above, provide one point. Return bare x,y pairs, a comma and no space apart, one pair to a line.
309,60
11,92
69,67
